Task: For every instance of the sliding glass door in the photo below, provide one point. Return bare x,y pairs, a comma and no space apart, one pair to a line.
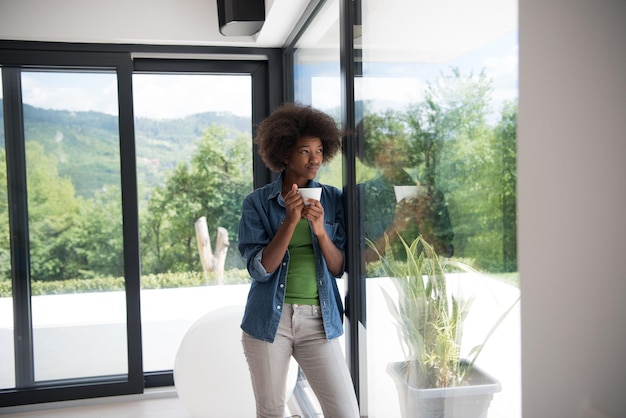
428,96
74,201
194,165
68,283
118,227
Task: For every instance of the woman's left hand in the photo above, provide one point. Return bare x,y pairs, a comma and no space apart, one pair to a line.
334,258
315,213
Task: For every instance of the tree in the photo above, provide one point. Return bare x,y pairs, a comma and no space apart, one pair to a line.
506,140
470,162
69,237
53,217
213,184
5,249
99,235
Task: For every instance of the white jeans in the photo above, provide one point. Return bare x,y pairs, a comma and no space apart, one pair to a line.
301,335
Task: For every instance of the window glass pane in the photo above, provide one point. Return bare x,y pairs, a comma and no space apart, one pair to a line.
75,224
7,363
437,108
317,83
194,167
317,76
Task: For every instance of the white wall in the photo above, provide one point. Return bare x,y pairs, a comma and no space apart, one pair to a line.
572,207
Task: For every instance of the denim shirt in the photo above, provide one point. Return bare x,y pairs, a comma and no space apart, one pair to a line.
263,211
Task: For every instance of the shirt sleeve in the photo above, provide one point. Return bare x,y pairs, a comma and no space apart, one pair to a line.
253,238
257,265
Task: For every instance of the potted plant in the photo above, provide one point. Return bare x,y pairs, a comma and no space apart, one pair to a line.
434,380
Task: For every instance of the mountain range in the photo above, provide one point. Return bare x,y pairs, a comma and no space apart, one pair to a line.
86,144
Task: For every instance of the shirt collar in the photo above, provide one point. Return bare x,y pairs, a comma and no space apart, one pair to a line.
276,187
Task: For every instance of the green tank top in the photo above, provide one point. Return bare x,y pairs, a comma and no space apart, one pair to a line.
301,284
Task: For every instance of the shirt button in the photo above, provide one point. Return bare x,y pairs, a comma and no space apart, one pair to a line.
282,285
278,307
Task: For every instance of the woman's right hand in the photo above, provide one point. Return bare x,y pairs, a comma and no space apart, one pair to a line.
294,204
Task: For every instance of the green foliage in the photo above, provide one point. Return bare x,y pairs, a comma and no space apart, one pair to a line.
99,243
5,253
162,144
332,173
381,128
69,236
506,141
52,213
113,284
83,142
430,318
212,184
74,197
184,172
88,142
451,146
428,322
451,124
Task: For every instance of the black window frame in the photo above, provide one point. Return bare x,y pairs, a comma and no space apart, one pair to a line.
350,68
265,66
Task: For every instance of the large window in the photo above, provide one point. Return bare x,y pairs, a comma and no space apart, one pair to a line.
63,285
317,79
7,362
317,82
122,182
435,108
75,224
194,164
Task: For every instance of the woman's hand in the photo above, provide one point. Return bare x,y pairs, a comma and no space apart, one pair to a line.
275,251
294,204
314,212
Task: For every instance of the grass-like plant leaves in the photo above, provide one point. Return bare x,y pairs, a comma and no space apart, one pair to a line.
428,317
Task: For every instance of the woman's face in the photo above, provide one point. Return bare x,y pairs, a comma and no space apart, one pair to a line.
305,160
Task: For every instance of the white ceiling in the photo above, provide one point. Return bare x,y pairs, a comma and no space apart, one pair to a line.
168,22
413,30
417,30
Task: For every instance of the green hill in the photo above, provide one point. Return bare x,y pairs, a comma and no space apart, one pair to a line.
86,144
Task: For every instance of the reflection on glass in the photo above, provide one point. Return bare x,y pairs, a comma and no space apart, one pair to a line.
194,167
437,101
398,204
317,82
7,367
75,224
317,79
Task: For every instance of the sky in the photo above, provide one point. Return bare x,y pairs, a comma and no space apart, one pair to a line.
174,96
395,85
158,96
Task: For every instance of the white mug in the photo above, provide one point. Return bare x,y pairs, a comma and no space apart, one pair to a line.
310,193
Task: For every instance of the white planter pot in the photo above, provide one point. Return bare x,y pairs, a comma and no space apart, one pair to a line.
471,401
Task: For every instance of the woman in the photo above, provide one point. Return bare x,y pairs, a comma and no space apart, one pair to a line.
294,253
